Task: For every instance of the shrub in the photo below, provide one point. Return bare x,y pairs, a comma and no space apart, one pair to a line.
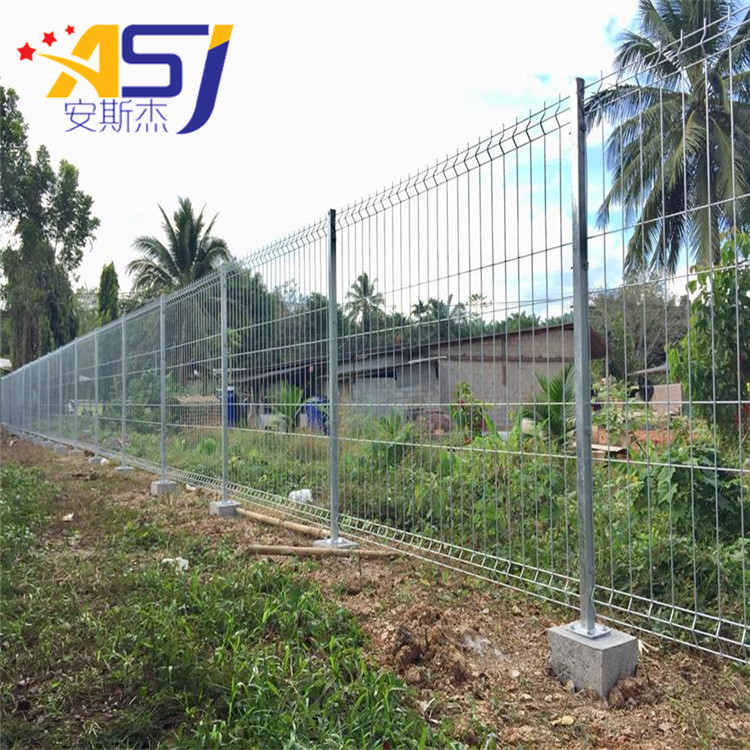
207,446
707,360
467,411
286,399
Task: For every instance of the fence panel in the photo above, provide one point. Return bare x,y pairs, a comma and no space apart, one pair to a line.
442,414
193,393
670,286
277,321
109,375
142,374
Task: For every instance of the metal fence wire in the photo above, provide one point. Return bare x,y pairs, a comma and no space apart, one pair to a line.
550,393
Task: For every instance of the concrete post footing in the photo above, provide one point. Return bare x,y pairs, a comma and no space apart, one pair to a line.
593,663
163,487
124,469
223,508
340,543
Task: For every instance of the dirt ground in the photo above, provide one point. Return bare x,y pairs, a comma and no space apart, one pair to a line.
473,652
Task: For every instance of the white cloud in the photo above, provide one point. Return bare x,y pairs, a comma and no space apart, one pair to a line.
319,104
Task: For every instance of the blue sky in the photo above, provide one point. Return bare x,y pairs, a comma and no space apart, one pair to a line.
319,104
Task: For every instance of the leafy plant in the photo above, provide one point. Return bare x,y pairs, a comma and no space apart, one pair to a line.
393,436
286,399
713,359
207,446
555,414
467,411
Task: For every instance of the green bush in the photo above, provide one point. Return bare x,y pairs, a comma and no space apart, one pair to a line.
707,361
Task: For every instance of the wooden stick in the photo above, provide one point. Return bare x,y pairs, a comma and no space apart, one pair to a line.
262,549
273,521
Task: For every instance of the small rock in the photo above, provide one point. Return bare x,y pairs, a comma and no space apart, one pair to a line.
302,497
67,517
548,699
180,563
570,686
482,646
6,645
515,674
516,610
525,697
413,676
563,721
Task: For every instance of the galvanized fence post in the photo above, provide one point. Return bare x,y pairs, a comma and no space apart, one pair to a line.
75,397
333,394
95,459
38,394
96,393
49,399
123,393
582,354
224,384
163,485
225,507
60,396
575,654
163,387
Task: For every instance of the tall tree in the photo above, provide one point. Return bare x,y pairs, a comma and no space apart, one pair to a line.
363,303
190,251
679,151
640,321
108,303
51,223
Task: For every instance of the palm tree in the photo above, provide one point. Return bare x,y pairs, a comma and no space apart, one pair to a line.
190,252
686,96
363,302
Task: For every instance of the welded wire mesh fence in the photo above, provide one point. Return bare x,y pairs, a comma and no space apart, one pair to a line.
442,414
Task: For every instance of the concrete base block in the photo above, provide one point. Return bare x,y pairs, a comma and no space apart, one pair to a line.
98,460
163,487
594,663
61,449
223,509
340,543
76,452
48,444
124,469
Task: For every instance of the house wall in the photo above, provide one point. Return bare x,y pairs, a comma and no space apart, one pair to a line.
411,386
502,372
505,378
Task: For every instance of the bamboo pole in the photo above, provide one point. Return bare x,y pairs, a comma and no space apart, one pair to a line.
262,549
290,525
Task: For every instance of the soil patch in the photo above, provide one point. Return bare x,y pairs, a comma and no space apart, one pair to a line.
473,653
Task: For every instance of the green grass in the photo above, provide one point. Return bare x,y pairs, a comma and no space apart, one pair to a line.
655,519
112,649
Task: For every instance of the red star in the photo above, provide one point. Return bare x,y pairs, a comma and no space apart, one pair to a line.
26,51
71,30
49,39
